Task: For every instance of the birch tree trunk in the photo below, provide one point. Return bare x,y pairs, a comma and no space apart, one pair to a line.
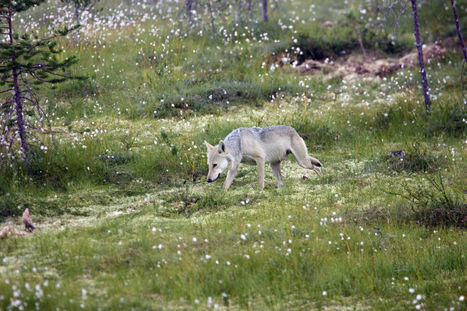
421,63
189,8
211,14
458,29
78,19
359,38
265,10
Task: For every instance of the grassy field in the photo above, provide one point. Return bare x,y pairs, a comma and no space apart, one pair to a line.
126,220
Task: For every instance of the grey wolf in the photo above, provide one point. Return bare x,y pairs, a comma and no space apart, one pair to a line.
258,146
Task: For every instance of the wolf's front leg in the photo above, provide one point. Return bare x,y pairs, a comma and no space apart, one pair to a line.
230,177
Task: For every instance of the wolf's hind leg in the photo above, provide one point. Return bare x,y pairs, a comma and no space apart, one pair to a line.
276,170
260,167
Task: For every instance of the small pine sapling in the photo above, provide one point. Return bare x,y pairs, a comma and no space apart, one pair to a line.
26,62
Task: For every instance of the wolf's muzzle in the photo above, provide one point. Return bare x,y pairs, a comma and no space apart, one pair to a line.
211,180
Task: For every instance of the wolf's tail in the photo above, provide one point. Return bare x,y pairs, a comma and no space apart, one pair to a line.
315,161
301,155
317,165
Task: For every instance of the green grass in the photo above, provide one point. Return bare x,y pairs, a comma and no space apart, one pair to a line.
125,219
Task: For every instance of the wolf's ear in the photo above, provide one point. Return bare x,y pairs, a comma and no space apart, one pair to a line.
221,147
208,145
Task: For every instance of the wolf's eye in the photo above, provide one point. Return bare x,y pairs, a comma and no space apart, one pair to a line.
214,165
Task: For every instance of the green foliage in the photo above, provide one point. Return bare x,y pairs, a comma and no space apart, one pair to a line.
383,42
413,158
35,57
321,43
82,3
449,120
317,134
77,88
19,6
437,205
318,42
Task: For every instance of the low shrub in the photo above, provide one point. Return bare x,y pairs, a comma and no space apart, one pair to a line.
436,205
431,205
450,120
414,158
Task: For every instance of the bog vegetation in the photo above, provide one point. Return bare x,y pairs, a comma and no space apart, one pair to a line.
114,170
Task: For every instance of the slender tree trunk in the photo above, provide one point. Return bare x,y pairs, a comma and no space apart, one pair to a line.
421,63
239,15
77,13
17,91
458,29
213,26
189,8
265,10
78,19
359,38
250,10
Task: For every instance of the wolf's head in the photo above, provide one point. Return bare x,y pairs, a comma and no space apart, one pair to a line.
218,160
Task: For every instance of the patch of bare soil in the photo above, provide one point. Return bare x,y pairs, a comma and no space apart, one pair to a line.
10,230
357,64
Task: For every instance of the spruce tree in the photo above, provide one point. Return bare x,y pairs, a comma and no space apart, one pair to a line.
26,62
